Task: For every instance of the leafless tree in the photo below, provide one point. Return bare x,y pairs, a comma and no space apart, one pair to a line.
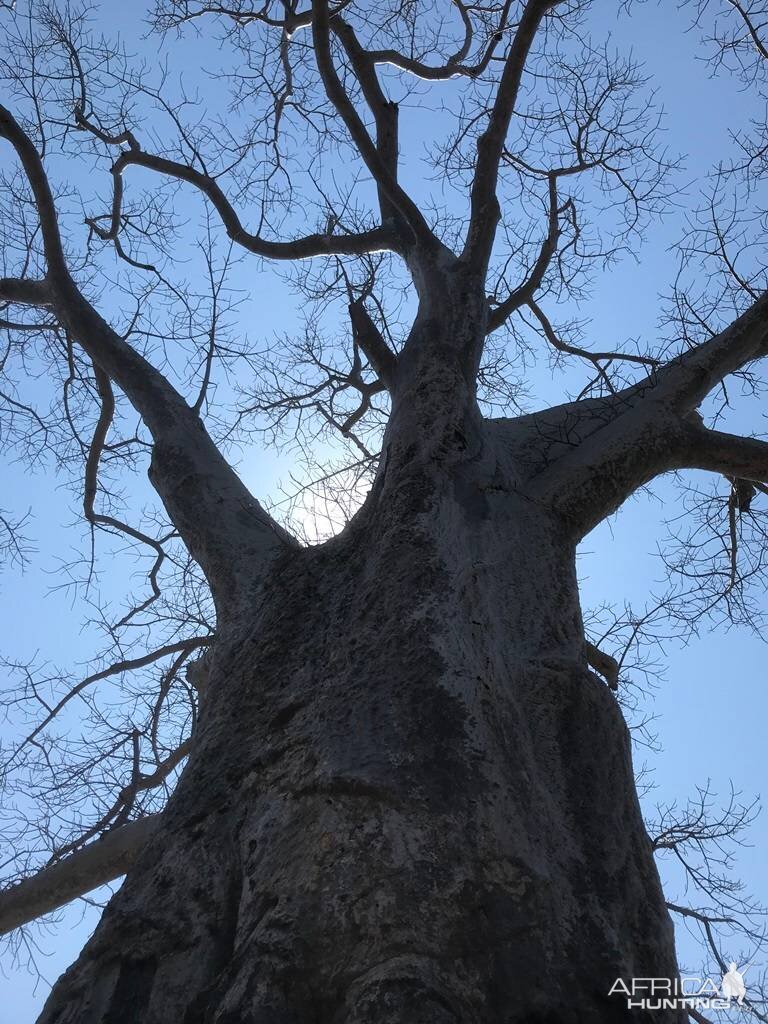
358,751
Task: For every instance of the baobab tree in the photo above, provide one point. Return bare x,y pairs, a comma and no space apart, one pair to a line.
382,777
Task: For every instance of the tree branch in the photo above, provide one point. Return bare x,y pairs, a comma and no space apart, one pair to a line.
384,111
654,429
221,523
369,338
89,867
382,175
574,350
685,381
117,668
697,915
751,28
123,804
484,204
90,489
375,240
592,470
24,292
527,290
736,457
454,66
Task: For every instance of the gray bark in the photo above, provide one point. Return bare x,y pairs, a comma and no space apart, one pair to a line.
96,864
408,800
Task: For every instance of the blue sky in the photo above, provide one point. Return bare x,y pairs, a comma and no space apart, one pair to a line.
711,707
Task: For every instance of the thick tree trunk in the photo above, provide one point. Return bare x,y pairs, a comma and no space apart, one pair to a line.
408,801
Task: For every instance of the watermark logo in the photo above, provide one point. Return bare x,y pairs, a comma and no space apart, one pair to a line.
687,992
732,985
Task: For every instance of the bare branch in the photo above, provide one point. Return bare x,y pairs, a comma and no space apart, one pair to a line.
369,338
90,488
341,244
751,28
89,867
454,65
406,207
655,429
484,204
732,455
385,112
115,669
573,350
525,292
685,381
24,292
215,514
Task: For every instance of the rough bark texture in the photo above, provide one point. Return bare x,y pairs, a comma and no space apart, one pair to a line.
408,800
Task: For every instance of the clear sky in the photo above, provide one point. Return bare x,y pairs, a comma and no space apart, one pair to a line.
711,705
